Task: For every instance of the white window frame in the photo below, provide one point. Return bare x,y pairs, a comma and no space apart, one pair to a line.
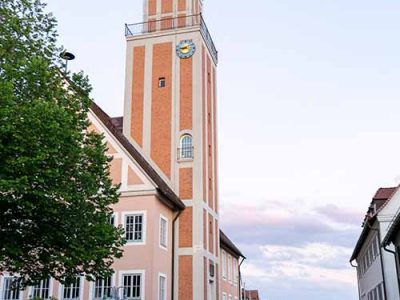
162,275
230,297
62,286
223,257
115,216
93,286
229,268
224,296
163,218
2,291
235,271
31,289
181,148
144,226
142,273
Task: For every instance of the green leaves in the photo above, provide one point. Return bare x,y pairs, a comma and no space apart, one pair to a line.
55,190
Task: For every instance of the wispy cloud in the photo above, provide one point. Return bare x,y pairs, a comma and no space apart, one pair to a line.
298,247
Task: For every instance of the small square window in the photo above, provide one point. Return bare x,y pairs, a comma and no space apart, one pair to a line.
161,82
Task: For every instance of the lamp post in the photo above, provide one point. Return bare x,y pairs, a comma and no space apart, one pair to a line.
65,55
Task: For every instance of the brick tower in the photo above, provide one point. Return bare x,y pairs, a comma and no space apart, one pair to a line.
170,115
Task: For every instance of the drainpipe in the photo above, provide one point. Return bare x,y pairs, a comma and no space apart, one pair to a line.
240,279
396,263
173,255
358,283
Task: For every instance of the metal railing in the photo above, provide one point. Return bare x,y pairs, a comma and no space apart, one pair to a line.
174,24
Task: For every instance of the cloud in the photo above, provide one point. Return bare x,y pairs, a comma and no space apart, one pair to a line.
340,215
276,223
297,251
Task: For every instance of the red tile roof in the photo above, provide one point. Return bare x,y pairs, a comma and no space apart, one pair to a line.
384,193
252,295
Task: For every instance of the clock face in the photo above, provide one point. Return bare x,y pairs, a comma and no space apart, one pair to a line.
185,49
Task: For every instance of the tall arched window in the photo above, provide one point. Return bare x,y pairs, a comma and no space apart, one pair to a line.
186,147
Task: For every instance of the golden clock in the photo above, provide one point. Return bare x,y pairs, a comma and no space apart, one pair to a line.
185,49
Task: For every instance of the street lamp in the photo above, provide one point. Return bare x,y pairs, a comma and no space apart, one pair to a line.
65,55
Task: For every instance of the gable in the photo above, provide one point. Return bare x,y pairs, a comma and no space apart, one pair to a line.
124,169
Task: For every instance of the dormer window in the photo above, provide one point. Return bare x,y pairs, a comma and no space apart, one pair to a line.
186,147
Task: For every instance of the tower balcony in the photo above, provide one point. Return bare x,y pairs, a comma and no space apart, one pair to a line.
173,24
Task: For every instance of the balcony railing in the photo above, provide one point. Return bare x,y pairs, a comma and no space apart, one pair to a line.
174,24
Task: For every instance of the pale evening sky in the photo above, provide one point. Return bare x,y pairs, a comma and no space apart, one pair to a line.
309,105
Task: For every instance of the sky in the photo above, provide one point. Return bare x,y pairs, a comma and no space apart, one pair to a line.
308,124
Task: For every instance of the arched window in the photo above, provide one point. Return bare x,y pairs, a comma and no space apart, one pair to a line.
186,147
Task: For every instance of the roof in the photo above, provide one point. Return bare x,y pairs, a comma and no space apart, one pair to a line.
252,294
225,241
115,127
363,236
118,123
383,194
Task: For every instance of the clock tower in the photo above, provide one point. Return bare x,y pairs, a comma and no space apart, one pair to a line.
170,115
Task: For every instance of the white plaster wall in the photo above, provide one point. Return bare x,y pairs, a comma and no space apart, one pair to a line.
370,279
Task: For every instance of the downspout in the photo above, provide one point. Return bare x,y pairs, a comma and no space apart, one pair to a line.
358,281
240,279
173,255
380,252
396,263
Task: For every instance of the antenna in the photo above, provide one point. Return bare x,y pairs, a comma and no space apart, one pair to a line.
65,55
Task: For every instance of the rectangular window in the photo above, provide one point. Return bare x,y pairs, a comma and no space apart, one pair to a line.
162,288
230,297
224,296
235,272
42,289
11,289
112,220
102,288
72,291
161,82
223,265
163,232
229,268
132,286
134,228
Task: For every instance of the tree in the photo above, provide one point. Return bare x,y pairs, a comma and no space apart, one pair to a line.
55,190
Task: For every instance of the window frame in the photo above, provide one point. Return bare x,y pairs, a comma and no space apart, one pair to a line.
92,291
114,217
235,271
143,213
230,268
142,274
162,82
2,290
32,289
223,264
184,149
162,246
62,287
164,276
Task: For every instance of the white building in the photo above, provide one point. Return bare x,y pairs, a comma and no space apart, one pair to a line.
376,266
